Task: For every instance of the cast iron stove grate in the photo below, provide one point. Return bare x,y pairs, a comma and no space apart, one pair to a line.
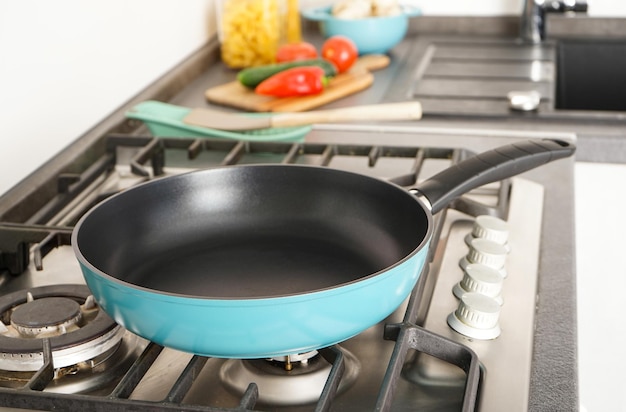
50,225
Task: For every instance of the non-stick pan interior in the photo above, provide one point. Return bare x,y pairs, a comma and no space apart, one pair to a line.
252,231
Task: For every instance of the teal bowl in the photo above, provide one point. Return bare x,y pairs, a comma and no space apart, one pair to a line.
370,34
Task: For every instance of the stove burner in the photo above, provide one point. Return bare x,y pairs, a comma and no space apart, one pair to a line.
46,316
66,315
288,361
292,380
96,376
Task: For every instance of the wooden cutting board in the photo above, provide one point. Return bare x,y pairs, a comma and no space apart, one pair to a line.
358,78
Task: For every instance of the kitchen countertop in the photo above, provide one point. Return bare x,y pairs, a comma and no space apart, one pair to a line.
601,135
597,141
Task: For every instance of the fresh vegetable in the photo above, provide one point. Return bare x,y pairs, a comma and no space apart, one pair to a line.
251,77
341,51
296,51
360,9
296,81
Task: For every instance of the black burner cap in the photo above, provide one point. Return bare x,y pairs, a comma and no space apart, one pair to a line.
95,328
45,312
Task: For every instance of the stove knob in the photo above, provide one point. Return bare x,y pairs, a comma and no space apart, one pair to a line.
491,228
488,253
476,317
480,279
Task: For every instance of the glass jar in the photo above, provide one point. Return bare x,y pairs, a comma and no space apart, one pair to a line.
250,31
292,22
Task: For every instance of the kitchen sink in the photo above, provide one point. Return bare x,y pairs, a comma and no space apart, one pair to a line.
572,79
591,75
485,71
474,78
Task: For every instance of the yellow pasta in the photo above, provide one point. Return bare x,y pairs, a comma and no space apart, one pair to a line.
251,32
294,31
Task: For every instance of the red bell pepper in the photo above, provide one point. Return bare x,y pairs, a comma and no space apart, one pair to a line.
297,81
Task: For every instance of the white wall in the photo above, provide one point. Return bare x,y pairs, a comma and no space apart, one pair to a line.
600,283
511,7
67,64
451,7
597,8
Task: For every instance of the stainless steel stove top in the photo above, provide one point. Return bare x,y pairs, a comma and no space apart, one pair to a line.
383,368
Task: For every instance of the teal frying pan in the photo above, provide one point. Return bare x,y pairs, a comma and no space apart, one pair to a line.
256,261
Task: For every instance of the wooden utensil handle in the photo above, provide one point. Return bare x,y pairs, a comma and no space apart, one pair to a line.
389,111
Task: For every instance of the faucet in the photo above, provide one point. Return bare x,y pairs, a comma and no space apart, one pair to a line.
533,19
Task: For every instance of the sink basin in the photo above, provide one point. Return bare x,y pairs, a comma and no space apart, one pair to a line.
482,74
574,79
591,75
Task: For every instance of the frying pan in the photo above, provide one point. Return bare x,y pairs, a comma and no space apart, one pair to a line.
257,261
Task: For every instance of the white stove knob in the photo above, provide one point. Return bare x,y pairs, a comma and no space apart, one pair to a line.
488,253
480,279
491,228
476,317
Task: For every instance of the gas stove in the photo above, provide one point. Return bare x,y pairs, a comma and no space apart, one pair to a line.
448,347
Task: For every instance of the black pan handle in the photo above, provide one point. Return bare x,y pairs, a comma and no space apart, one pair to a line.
491,166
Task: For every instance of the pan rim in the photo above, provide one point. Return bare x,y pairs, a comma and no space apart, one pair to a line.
338,288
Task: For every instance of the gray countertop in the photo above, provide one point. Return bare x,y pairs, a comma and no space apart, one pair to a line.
462,100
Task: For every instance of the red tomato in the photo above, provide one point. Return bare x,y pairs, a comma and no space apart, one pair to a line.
341,51
296,51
